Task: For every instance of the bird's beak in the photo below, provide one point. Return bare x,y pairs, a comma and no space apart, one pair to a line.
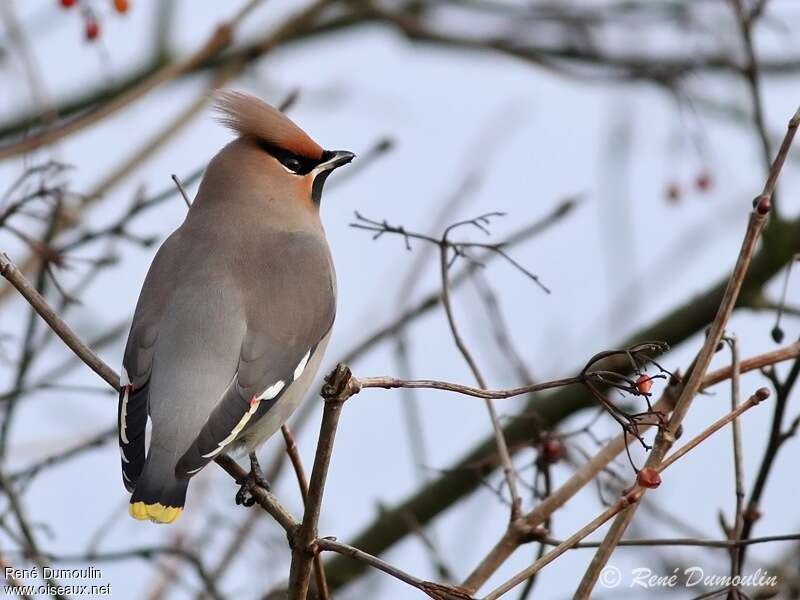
333,159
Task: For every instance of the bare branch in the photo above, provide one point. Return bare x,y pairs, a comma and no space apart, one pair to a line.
758,216
629,498
337,389
179,185
9,270
300,473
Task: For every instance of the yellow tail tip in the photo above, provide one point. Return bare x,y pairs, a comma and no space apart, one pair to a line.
157,513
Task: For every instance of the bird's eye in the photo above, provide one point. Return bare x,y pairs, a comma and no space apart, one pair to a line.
293,164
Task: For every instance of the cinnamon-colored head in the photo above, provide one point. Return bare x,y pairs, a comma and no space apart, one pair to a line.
249,116
272,152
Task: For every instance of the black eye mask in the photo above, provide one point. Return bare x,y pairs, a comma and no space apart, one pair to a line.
299,165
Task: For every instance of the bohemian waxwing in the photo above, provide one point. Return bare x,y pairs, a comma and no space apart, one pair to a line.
234,314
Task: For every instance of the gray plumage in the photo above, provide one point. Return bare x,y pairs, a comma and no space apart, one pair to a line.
240,298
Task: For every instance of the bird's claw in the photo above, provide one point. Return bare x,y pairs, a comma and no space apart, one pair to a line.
246,495
254,479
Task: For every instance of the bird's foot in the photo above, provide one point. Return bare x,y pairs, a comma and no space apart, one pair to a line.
249,483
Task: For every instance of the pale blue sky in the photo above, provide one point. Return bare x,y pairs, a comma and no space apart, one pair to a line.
548,138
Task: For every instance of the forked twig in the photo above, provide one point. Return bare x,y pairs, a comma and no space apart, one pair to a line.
758,217
629,498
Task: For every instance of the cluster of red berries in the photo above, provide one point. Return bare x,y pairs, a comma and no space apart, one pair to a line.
703,183
92,25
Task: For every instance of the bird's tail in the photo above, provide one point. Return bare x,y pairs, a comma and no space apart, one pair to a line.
159,496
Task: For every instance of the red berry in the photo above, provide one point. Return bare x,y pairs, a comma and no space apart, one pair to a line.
92,29
704,182
673,192
644,384
648,478
121,6
551,451
68,3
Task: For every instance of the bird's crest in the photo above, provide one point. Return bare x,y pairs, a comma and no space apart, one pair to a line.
249,116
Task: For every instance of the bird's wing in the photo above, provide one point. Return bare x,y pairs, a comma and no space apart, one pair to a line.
137,362
289,293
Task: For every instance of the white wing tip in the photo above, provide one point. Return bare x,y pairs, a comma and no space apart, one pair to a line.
301,366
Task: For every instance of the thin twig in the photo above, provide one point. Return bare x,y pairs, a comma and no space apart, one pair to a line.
757,362
629,498
486,394
331,545
777,438
219,39
337,389
432,590
264,498
696,542
9,270
522,530
666,437
302,483
499,437
759,396
738,465
752,77
249,524
432,300
179,185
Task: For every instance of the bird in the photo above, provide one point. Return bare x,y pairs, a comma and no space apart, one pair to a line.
234,314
